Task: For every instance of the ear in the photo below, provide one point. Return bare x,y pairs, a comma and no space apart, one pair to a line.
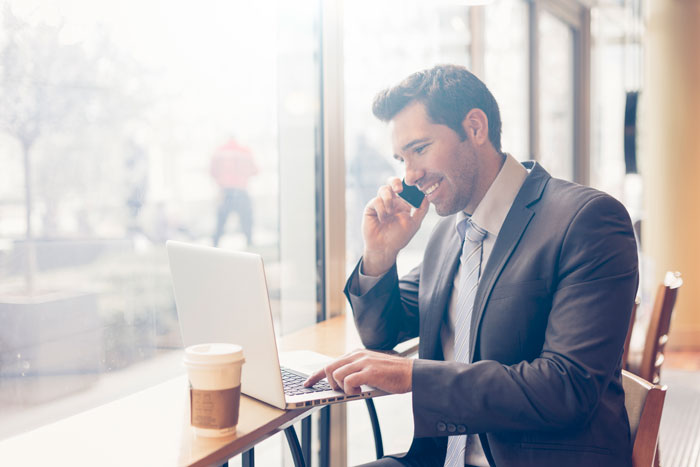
476,126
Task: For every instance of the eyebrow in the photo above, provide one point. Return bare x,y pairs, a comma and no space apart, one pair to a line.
410,144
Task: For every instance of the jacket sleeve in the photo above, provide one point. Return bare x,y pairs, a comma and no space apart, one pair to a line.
387,314
595,282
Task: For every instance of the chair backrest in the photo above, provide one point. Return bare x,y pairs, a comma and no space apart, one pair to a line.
657,333
644,403
628,339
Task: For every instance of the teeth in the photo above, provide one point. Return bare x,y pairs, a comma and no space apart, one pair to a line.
430,189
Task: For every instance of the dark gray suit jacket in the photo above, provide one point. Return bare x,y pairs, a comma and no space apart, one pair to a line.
549,323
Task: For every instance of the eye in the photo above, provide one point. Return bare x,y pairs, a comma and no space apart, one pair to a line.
421,149
398,159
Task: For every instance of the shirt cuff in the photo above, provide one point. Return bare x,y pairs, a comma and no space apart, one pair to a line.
365,282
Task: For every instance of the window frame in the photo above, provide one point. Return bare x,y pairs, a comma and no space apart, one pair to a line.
576,15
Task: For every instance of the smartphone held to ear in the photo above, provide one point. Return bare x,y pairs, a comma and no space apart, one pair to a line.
412,194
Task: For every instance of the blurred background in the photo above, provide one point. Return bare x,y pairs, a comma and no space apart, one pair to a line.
125,124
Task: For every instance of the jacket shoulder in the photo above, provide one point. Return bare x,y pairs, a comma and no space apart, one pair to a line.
564,196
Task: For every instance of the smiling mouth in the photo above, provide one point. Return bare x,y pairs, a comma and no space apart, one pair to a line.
428,191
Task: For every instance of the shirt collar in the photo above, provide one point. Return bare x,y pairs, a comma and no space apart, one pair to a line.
493,208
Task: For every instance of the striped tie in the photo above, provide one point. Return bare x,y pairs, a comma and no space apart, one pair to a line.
470,271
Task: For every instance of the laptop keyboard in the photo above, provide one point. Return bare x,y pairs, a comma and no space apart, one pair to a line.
294,383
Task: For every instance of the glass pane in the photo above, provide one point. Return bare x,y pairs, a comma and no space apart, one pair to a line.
556,96
506,71
616,54
385,42
124,124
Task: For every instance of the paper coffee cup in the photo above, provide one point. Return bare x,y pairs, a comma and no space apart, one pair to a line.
214,371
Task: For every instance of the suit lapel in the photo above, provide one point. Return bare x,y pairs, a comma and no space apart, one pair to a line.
512,230
436,304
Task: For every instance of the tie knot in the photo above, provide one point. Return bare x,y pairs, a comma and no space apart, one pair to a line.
470,231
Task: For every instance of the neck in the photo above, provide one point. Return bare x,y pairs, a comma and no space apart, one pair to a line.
492,161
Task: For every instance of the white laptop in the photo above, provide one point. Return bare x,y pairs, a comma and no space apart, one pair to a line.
221,296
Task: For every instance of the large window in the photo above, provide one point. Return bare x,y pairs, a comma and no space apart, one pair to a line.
556,95
124,124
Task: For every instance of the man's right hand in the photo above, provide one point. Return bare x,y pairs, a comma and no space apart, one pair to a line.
388,224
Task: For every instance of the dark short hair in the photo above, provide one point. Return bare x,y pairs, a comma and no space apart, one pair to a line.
448,92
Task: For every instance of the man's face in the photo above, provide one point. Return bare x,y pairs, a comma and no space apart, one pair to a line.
443,166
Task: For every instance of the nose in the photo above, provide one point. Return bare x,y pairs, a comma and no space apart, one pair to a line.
413,173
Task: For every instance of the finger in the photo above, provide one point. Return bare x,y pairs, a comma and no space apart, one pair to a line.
331,381
387,195
403,205
315,378
353,383
395,184
340,374
345,365
376,208
333,366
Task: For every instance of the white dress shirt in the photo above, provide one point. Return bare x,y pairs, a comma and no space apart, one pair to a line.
489,215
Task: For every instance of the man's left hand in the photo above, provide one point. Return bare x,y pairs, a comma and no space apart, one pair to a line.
389,373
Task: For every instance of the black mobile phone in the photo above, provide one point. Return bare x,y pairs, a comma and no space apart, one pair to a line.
412,194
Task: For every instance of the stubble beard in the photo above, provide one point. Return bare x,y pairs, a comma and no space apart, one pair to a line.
460,200
453,207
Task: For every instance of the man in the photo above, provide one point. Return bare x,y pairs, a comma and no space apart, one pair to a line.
232,167
521,303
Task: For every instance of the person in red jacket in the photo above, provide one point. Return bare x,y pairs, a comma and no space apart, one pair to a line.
232,167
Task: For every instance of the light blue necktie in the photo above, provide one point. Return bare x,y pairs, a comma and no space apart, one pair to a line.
470,271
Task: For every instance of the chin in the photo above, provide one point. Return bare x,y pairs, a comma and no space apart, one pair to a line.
449,208
444,211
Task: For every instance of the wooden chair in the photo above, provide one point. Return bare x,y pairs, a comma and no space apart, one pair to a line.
626,351
644,403
657,334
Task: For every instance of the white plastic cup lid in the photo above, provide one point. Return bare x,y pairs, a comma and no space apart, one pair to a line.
213,354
